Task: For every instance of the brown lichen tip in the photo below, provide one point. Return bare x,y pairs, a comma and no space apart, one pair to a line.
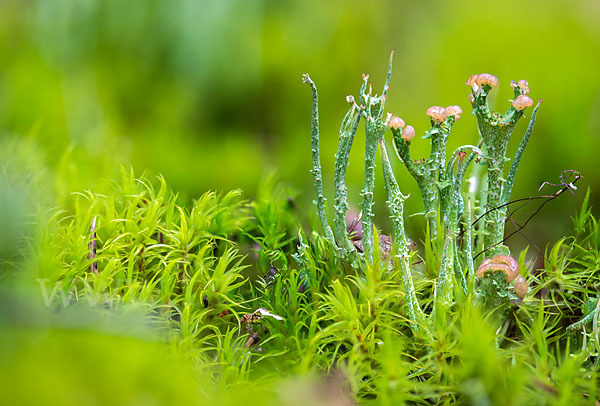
502,263
438,114
520,287
486,79
522,85
396,122
522,102
455,111
408,133
472,80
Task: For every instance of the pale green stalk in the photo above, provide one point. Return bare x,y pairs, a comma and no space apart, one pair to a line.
418,170
496,131
518,155
445,283
459,275
347,133
372,140
469,248
429,174
375,128
316,161
395,205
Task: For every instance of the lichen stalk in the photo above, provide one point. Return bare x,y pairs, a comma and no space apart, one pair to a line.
434,165
386,85
374,134
452,202
496,130
403,152
445,283
429,174
510,179
459,274
316,162
416,169
346,139
469,248
395,203
495,141
375,127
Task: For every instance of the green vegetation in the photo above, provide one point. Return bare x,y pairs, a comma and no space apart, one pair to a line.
130,296
162,318
146,257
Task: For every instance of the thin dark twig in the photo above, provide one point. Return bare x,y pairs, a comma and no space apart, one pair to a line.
519,227
570,186
565,176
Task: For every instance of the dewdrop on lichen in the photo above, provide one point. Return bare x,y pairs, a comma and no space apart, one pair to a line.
396,122
438,114
408,133
503,263
522,102
350,99
455,111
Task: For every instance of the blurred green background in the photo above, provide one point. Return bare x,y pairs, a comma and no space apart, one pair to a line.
208,93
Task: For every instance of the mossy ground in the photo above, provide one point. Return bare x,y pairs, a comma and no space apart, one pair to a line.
161,320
